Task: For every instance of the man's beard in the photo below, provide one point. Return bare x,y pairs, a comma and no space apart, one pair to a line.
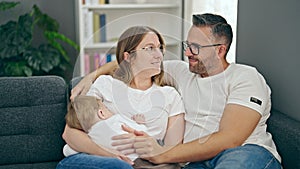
199,68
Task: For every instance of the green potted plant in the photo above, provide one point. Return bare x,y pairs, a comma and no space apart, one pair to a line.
20,57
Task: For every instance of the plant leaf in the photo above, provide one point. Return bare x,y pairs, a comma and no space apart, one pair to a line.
7,5
17,69
15,37
52,39
44,21
45,58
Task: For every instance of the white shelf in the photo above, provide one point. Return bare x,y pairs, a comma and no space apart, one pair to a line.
129,6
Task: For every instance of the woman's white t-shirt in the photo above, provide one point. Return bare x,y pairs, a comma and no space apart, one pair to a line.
157,103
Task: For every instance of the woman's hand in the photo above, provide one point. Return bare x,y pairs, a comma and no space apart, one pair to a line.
83,86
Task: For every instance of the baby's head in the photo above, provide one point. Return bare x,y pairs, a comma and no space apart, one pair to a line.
85,111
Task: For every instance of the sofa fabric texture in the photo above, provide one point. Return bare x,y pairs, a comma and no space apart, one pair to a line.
32,111
286,135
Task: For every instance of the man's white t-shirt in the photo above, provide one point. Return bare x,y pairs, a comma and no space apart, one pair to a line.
205,99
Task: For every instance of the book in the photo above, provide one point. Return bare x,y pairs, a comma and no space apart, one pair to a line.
96,27
88,25
108,58
113,57
103,59
102,25
101,2
96,60
86,63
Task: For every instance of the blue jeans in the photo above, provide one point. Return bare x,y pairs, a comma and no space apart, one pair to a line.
85,161
249,156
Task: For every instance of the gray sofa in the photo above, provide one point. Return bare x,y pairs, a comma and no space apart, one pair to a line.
32,114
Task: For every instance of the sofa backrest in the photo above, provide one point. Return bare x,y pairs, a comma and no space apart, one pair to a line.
286,135
32,111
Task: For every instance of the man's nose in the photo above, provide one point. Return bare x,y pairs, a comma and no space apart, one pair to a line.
188,52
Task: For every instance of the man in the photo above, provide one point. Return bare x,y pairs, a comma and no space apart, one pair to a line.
227,106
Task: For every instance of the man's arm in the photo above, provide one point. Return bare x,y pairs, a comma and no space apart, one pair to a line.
84,85
237,124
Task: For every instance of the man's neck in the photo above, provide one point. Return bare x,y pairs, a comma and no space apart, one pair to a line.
215,71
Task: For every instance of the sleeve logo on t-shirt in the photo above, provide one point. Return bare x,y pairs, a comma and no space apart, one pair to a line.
255,100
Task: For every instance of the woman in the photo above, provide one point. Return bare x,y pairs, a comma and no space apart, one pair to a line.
135,91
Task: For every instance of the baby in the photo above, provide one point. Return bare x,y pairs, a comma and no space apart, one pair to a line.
90,114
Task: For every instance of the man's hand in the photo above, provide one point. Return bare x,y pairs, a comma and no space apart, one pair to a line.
138,142
125,142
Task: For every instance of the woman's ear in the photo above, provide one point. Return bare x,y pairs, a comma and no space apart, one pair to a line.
126,56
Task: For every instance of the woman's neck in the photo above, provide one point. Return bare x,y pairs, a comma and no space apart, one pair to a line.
141,83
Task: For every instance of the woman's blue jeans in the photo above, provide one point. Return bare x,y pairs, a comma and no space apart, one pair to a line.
249,156
85,161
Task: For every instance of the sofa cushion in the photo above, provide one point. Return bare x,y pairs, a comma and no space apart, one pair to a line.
32,111
286,135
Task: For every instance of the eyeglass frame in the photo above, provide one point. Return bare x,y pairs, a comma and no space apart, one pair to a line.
147,49
185,45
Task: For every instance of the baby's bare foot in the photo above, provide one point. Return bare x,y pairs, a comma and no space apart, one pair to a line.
139,118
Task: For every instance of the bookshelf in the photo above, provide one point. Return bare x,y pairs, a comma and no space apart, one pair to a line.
165,16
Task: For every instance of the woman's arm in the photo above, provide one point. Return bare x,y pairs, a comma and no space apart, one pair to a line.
175,130
81,142
84,85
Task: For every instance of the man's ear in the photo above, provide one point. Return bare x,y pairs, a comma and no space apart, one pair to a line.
222,50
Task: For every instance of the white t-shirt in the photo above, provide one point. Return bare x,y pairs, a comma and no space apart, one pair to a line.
205,99
102,132
157,103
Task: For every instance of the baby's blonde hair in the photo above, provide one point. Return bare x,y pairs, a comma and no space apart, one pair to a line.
82,112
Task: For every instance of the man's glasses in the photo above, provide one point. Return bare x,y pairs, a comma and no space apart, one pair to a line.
194,47
151,49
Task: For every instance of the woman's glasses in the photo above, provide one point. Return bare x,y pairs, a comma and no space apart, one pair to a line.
151,49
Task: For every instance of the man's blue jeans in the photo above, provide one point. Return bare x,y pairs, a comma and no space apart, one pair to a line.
248,156
85,161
